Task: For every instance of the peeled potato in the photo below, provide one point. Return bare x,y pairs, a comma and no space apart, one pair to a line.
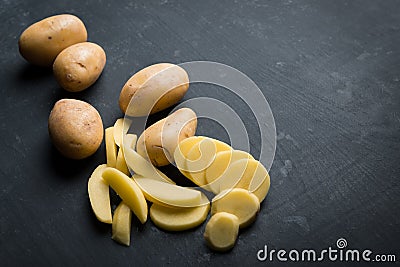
121,128
222,231
179,219
128,190
99,195
239,202
111,148
121,225
168,194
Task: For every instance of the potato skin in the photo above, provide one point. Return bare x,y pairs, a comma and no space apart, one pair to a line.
79,66
41,42
75,128
166,77
159,141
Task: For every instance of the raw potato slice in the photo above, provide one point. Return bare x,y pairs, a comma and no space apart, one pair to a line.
219,166
111,148
121,127
256,179
141,166
121,226
253,172
239,202
222,231
99,195
179,219
128,190
183,149
121,164
168,194
200,157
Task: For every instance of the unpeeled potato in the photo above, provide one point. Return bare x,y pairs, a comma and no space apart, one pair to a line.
158,142
75,127
41,42
79,66
152,89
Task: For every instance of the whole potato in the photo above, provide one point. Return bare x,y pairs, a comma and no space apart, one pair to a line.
41,42
152,89
79,66
76,128
159,141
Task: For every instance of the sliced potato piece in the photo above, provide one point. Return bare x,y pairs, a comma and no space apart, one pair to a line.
163,193
179,219
258,177
239,202
111,148
121,226
220,165
99,195
222,231
128,190
183,149
141,166
121,127
121,164
254,177
200,158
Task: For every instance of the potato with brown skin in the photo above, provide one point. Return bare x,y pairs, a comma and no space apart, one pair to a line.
75,128
41,42
79,66
153,89
158,142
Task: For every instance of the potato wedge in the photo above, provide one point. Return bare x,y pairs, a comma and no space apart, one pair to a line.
128,190
99,195
121,128
121,226
222,231
164,193
179,219
111,148
121,164
239,202
129,140
141,166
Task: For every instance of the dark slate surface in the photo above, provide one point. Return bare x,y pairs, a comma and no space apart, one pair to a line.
329,69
